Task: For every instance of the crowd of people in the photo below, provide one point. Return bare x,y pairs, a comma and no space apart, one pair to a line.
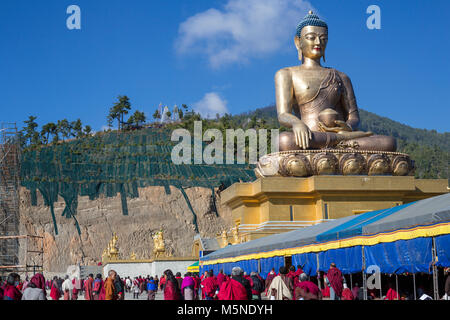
286,284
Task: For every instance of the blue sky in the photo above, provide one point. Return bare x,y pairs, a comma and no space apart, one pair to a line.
216,55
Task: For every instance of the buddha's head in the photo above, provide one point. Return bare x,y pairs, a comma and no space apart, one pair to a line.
311,37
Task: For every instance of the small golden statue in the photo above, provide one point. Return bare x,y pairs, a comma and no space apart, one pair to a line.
113,249
224,238
105,255
235,232
133,256
159,248
111,252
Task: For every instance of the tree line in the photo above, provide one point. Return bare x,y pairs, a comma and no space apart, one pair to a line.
55,132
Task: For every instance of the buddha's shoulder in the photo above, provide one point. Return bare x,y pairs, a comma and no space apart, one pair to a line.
342,75
284,72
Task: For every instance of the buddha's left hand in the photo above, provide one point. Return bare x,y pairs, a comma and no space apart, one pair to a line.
341,126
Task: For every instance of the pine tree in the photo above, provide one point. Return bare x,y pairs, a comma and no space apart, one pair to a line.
117,111
77,128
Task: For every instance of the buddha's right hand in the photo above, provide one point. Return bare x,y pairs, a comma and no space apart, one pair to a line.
302,134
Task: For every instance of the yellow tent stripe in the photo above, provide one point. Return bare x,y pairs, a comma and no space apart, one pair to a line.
370,240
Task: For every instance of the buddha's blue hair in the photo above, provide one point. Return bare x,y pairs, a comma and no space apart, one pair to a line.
310,19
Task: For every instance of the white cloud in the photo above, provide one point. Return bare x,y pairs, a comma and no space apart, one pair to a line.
210,105
242,29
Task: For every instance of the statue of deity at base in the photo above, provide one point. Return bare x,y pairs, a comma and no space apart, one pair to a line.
319,104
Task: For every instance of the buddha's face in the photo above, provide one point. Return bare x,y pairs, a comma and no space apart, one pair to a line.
312,42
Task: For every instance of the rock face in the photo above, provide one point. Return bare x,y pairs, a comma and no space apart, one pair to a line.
98,219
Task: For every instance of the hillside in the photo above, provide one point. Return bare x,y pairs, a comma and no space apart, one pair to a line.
117,163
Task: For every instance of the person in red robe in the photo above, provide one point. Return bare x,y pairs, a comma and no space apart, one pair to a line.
347,294
326,290
299,271
10,289
39,281
203,277
306,289
196,286
98,287
162,282
235,288
334,276
249,278
220,278
392,294
88,288
75,286
297,275
55,294
171,289
269,279
210,286
293,275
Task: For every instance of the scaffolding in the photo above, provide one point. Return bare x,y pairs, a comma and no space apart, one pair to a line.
9,195
10,240
33,247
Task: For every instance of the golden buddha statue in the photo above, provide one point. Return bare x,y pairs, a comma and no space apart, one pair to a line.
235,233
224,238
159,248
113,250
318,103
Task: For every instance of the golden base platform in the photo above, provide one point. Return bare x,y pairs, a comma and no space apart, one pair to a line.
305,163
278,204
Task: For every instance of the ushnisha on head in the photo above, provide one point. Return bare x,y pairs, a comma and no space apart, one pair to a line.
311,37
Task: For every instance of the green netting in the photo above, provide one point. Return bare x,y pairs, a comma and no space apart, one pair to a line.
117,163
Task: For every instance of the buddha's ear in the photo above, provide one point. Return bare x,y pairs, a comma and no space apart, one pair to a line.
297,45
297,42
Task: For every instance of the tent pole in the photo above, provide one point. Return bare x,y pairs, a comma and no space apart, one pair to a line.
396,286
351,282
381,290
414,282
364,274
318,273
435,274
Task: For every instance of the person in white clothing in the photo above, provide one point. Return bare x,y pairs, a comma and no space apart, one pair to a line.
67,288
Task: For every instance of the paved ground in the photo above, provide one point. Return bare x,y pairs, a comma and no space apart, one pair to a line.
129,296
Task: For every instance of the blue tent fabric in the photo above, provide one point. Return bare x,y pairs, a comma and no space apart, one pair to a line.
401,256
354,227
268,263
248,265
308,261
227,267
442,250
348,260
